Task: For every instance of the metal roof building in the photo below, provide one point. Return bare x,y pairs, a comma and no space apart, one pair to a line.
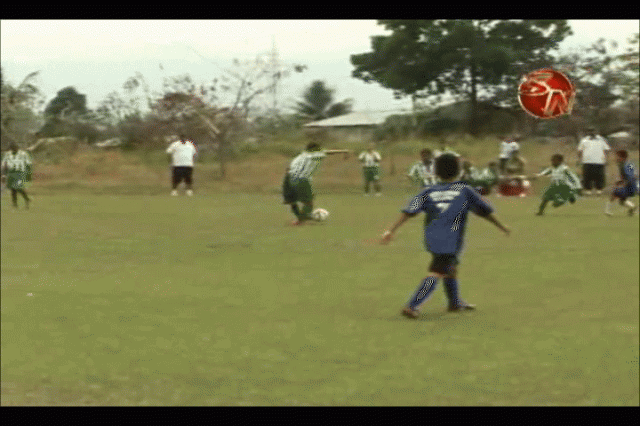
353,119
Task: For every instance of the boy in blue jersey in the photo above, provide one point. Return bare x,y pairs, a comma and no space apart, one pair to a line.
446,205
627,186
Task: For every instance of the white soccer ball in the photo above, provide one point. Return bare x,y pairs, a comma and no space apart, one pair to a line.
526,183
320,215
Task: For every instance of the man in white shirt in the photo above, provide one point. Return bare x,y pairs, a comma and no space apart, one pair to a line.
370,160
508,149
592,153
182,154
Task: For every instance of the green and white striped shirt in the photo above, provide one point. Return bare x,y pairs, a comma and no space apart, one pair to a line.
487,174
305,164
422,174
370,159
18,162
562,175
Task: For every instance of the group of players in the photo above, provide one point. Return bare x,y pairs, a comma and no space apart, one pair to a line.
504,176
449,191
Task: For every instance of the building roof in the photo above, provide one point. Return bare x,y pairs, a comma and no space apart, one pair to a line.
353,119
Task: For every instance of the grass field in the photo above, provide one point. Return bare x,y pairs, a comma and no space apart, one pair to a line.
212,300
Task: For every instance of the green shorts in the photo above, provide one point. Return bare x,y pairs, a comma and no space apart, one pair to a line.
294,190
16,180
371,174
559,194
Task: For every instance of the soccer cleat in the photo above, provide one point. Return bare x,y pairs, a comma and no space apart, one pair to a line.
540,214
189,192
608,213
632,210
378,194
599,192
462,307
410,312
174,193
587,192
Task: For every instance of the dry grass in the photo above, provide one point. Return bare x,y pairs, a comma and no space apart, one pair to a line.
149,172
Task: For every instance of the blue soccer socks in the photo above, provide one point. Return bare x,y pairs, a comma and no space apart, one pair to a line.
423,292
451,288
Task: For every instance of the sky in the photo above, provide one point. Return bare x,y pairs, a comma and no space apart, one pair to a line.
97,56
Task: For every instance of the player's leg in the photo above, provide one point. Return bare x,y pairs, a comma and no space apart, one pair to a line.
290,197
587,177
599,178
438,269
367,182
175,180
451,287
14,198
188,180
24,196
305,194
546,197
376,181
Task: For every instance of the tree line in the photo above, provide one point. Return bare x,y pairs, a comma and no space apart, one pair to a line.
477,61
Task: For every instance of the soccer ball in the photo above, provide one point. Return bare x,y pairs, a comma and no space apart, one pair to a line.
320,215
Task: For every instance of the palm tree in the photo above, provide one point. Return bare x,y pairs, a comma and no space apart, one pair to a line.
317,103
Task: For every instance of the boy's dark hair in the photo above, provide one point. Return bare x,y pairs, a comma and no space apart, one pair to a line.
425,151
622,153
558,157
13,146
313,146
447,166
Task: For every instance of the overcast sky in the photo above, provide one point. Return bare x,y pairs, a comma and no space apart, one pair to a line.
97,56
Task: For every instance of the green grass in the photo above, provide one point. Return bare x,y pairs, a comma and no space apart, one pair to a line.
154,300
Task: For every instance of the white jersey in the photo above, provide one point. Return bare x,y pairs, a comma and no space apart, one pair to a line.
593,149
182,154
562,175
422,173
370,159
17,162
305,164
508,148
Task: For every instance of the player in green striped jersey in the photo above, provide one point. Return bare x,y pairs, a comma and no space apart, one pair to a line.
296,186
422,172
371,168
16,169
565,184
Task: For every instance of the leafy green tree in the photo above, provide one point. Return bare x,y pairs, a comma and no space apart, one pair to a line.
473,59
318,103
67,101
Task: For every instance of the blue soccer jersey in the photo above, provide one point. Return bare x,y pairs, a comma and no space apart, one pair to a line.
628,173
446,206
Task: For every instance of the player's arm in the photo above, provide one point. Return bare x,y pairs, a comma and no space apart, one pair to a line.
337,151
388,235
545,172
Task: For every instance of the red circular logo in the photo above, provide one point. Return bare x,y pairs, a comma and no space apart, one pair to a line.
546,93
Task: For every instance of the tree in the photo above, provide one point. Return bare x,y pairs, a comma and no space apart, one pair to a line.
603,79
221,108
318,103
67,101
474,59
18,108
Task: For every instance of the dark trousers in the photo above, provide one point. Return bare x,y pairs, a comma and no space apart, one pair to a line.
593,175
180,174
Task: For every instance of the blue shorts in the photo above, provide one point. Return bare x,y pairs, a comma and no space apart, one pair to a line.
624,192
